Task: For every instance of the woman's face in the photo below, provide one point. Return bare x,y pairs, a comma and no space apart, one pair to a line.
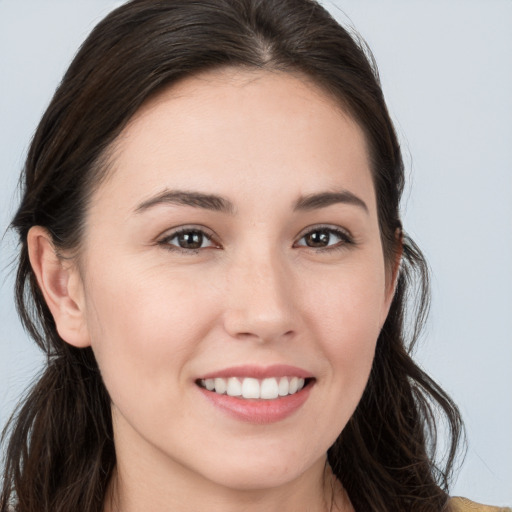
234,244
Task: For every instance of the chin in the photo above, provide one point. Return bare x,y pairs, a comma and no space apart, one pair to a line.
255,477
266,469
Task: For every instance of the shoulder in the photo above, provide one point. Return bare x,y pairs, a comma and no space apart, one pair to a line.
465,505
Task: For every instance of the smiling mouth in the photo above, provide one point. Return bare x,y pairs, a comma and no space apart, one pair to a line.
250,388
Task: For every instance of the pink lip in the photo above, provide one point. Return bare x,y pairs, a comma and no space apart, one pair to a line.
259,372
259,411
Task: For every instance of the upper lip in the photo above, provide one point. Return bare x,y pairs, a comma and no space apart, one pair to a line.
259,372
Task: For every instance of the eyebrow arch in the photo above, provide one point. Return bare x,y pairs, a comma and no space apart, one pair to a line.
195,199
324,199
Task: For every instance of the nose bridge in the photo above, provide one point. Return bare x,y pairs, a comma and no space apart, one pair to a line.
260,289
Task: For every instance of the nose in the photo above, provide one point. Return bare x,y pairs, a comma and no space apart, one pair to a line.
260,303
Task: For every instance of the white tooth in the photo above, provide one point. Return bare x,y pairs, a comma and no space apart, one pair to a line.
220,386
300,384
250,388
269,389
294,385
284,386
209,384
234,387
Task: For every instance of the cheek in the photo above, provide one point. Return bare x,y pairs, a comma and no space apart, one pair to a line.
348,303
144,327
347,314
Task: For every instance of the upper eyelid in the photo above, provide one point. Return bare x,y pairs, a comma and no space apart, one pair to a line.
165,238
172,232
317,227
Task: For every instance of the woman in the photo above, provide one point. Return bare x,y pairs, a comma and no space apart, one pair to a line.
211,239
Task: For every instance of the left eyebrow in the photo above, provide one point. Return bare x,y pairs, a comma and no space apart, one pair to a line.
324,199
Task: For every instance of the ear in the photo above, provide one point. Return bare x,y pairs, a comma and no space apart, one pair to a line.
60,282
393,272
399,251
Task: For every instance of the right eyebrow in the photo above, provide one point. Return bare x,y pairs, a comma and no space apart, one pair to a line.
188,198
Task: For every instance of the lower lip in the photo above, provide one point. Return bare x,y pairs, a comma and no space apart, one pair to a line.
259,411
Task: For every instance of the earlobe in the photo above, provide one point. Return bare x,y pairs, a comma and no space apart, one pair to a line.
61,286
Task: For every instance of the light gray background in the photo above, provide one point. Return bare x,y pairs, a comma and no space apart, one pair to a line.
446,69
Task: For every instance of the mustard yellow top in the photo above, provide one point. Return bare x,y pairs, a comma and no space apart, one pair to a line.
465,505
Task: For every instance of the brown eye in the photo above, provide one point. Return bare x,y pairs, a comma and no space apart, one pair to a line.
190,239
325,238
319,238
187,239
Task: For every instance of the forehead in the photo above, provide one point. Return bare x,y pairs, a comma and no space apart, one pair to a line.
234,126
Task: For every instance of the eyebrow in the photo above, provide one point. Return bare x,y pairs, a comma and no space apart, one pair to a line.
185,198
221,204
324,199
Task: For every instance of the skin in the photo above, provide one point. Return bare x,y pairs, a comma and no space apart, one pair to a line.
158,317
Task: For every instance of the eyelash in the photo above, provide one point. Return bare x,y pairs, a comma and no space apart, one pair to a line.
345,239
165,241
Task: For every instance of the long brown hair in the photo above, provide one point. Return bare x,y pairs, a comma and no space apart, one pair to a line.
60,454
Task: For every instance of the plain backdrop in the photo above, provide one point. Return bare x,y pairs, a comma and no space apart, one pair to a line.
446,70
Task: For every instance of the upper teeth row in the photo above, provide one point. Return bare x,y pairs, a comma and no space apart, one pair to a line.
248,387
